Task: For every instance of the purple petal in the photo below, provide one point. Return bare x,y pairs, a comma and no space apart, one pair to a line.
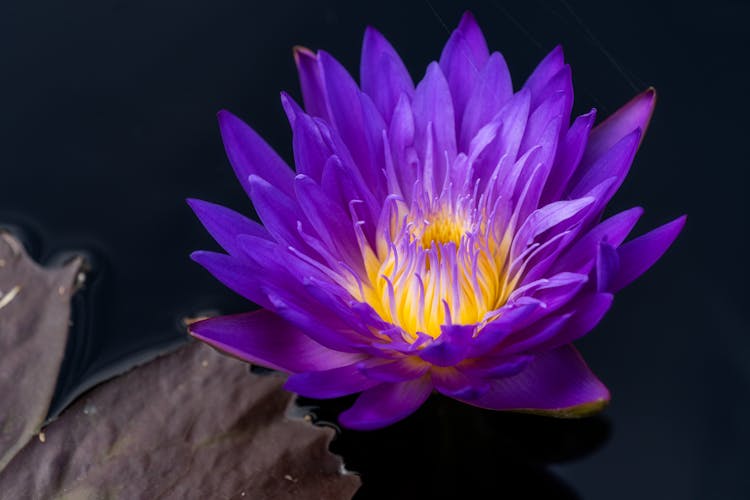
457,384
278,212
552,292
607,266
433,106
304,314
580,257
250,155
311,150
588,311
548,221
556,383
615,163
349,120
450,347
550,111
291,108
398,370
283,269
528,339
313,89
569,154
512,318
401,137
382,73
224,224
636,114
343,185
472,35
493,89
461,72
494,366
386,403
513,117
332,383
637,255
330,222
544,72
233,274
264,338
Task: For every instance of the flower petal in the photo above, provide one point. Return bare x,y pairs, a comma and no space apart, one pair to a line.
386,403
490,367
569,154
614,163
579,258
607,266
233,273
457,384
266,339
332,383
492,90
311,150
450,347
224,224
278,212
251,155
637,255
460,72
390,370
383,75
349,120
472,35
636,114
313,89
588,311
543,73
330,222
556,383
401,133
433,110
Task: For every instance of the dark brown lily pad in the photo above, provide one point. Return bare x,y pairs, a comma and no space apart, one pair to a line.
190,424
34,316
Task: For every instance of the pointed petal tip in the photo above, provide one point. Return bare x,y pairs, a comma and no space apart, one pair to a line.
371,32
198,255
300,51
467,16
198,206
638,211
223,115
638,255
677,225
467,20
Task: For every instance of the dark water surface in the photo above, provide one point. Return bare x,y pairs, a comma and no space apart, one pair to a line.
107,125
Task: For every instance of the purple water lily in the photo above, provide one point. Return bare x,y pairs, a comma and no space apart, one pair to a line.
445,237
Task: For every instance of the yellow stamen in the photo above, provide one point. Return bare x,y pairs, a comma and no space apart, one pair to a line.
439,268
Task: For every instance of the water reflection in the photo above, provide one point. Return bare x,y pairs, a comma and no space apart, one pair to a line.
451,450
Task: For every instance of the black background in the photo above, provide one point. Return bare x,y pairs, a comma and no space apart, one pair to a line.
107,124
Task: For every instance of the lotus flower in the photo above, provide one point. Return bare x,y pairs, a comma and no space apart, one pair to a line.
446,237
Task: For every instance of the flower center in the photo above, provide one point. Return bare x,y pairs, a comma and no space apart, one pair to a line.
440,228
435,267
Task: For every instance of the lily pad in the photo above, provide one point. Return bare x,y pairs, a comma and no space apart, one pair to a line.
191,424
34,316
